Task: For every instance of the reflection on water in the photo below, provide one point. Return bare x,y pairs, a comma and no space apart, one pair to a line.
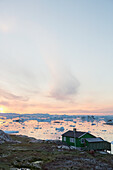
52,127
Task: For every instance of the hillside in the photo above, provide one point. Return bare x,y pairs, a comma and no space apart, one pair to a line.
31,154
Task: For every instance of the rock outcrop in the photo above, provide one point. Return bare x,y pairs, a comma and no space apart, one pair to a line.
4,137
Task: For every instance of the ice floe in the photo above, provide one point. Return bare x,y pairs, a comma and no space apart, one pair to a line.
8,131
61,129
72,125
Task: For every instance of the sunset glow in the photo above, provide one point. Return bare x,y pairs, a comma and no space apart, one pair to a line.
1,110
56,57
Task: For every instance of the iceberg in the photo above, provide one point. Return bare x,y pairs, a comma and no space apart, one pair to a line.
61,129
72,125
11,131
109,122
93,124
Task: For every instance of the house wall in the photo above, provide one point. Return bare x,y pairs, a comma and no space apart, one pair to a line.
99,146
87,135
68,141
77,140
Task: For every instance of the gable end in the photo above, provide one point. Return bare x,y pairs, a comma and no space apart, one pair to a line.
82,135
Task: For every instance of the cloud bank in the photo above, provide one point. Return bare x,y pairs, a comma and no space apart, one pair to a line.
65,86
10,96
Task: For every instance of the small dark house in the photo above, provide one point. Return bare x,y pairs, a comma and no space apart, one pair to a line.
85,140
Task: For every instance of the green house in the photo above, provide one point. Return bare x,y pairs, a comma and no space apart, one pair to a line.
85,140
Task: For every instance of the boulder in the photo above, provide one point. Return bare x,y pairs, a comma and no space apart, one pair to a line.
4,137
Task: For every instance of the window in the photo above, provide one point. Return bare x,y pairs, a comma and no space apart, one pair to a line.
64,138
72,140
82,140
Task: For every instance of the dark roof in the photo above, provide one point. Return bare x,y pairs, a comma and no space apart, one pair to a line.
70,133
94,140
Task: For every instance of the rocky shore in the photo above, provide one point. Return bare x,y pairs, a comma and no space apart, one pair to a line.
19,152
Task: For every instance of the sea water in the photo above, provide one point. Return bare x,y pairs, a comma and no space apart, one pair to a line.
47,127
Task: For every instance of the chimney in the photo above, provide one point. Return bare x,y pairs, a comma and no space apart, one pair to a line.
74,129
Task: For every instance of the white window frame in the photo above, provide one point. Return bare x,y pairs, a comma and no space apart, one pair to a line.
72,140
82,140
64,138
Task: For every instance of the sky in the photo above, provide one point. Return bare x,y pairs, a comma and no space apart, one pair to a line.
56,56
